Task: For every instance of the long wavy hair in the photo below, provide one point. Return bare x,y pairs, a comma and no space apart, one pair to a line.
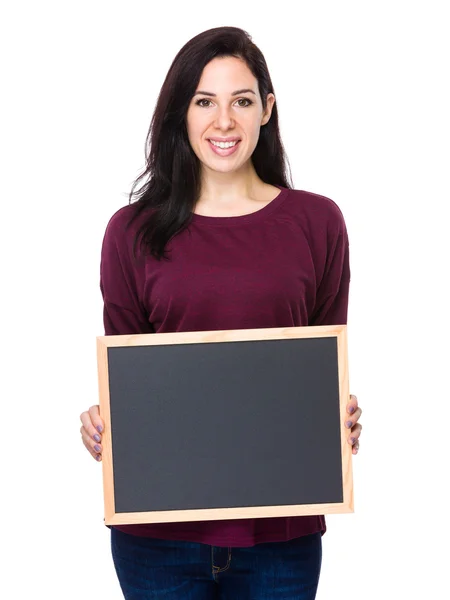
172,176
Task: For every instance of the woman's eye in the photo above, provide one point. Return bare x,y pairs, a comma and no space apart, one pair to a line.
199,102
245,100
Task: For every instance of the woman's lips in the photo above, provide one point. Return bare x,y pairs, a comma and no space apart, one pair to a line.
224,151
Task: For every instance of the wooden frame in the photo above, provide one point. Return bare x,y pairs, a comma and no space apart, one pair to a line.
105,342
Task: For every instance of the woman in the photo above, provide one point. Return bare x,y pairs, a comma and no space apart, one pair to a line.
218,239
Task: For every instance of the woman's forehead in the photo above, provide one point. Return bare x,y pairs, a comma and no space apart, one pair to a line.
228,74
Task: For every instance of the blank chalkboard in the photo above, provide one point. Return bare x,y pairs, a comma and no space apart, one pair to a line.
231,424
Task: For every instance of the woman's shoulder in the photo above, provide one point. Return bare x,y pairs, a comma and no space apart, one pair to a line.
314,203
122,230
317,212
121,218
126,220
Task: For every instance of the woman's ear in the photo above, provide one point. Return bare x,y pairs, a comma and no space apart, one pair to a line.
269,105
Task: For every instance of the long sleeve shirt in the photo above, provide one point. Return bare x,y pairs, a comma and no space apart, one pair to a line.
285,265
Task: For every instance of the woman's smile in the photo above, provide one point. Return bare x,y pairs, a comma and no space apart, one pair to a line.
224,151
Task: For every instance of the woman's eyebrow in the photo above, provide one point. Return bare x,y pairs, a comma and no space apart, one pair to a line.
233,94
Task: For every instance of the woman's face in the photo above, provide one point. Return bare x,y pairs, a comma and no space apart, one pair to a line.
227,105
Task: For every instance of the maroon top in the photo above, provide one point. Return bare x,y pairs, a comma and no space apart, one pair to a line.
285,265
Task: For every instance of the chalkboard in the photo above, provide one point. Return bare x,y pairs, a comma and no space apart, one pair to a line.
225,424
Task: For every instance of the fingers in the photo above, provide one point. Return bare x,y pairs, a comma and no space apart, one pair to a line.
353,438
97,421
352,423
94,449
352,405
355,447
92,425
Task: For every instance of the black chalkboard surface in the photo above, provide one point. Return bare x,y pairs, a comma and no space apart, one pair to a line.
217,425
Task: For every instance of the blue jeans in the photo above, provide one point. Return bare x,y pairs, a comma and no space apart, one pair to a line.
151,568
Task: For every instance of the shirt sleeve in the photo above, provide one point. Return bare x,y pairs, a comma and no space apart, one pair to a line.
123,309
331,305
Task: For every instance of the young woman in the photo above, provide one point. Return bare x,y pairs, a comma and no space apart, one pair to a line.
218,239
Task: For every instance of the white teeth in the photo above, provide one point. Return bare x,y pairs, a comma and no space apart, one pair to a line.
223,144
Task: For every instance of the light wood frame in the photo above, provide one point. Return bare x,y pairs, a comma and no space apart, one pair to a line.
104,342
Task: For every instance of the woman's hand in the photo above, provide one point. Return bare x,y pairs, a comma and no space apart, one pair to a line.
91,430
351,422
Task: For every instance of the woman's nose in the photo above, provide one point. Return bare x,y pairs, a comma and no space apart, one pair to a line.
224,119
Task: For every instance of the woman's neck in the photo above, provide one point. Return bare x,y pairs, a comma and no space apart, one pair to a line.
234,197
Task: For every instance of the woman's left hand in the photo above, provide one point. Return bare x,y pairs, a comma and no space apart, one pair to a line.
351,422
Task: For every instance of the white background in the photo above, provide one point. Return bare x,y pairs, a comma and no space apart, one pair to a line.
362,91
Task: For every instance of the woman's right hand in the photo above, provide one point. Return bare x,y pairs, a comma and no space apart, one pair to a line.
91,430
